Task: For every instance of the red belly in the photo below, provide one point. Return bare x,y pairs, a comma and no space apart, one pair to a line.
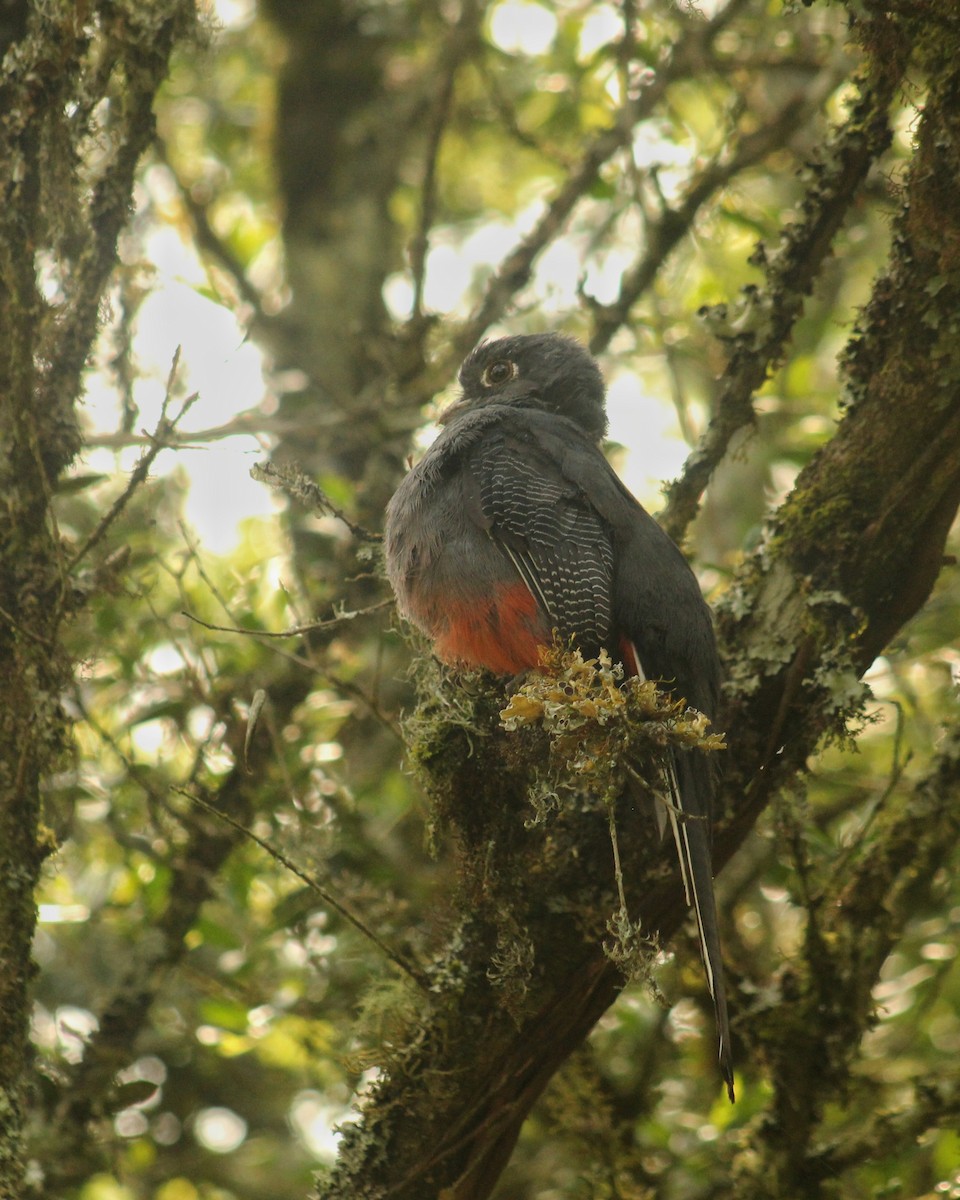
503,632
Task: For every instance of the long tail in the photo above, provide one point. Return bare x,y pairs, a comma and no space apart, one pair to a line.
690,789
690,801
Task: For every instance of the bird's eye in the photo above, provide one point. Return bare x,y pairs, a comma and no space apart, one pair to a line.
499,372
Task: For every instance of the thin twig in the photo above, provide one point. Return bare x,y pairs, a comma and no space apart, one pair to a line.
267,638
290,479
252,421
296,630
617,868
136,770
514,271
337,905
140,472
197,562
206,236
193,551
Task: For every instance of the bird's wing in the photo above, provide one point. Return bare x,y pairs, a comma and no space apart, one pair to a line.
666,634
603,570
547,529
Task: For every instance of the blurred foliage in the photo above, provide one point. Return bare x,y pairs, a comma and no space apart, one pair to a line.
252,1053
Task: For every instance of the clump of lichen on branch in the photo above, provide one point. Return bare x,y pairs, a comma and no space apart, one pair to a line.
600,726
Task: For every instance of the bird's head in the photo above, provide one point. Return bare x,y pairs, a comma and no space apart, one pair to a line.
547,371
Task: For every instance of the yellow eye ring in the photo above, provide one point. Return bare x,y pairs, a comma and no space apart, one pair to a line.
501,371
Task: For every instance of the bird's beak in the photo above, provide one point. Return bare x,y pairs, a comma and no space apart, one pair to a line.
455,409
513,393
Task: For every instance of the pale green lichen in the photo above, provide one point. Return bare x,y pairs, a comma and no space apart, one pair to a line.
595,720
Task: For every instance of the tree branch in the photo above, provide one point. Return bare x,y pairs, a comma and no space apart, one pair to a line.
673,224
771,311
462,40
158,442
808,1027
295,483
323,893
340,618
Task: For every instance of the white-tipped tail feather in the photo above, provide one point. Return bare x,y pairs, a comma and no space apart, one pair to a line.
690,825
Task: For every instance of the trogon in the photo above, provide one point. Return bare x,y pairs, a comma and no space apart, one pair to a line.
514,529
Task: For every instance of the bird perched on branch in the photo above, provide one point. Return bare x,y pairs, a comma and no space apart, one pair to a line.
513,529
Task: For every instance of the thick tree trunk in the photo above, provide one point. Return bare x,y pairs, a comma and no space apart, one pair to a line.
55,224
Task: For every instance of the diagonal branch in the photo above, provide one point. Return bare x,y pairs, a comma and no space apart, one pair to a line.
673,224
206,237
822,1005
294,482
515,269
790,272
323,893
159,441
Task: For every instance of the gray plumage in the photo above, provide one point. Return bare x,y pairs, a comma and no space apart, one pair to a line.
514,499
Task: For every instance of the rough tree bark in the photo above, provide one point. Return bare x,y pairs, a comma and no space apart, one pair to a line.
58,235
